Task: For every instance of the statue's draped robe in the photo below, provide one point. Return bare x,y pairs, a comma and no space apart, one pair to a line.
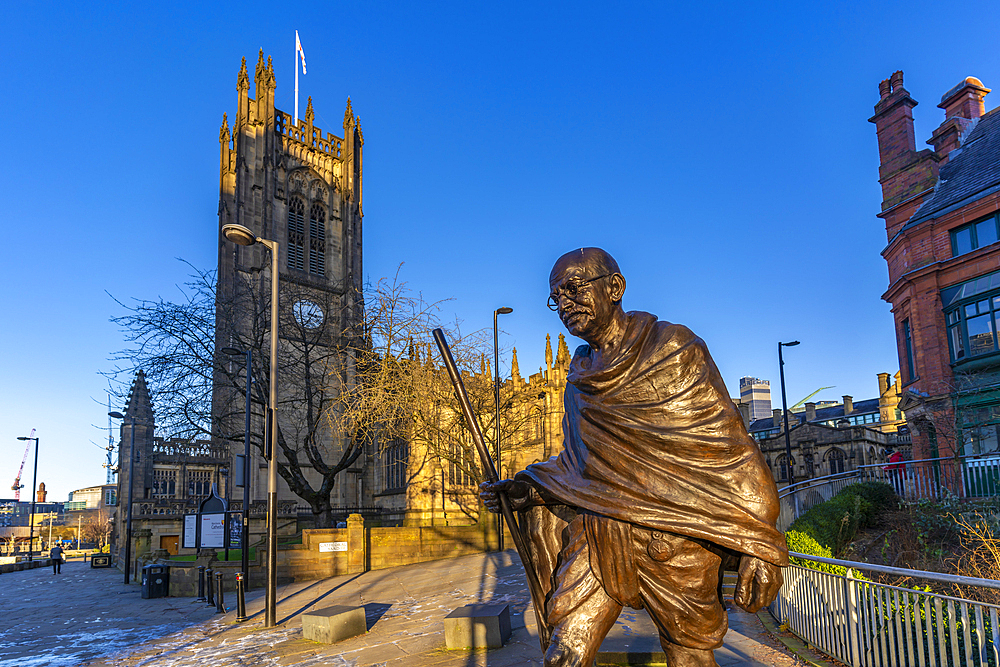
653,438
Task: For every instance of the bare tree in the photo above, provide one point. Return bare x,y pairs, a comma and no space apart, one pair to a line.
359,382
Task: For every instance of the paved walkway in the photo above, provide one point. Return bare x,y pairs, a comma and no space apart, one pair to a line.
88,617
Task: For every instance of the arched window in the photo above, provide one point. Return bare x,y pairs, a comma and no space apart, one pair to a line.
837,459
537,424
783,467
296,234
394,463
317,240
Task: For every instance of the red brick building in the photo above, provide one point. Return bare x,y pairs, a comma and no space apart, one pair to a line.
940,207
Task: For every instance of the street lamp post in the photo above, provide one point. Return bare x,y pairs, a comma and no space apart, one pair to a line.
244,538
784,410
31,518
242,236
131,486
496,395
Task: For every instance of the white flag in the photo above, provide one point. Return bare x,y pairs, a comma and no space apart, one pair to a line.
298,48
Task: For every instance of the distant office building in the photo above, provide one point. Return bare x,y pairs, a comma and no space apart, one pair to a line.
757,393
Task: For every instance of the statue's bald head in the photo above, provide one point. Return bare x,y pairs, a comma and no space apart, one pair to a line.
598,261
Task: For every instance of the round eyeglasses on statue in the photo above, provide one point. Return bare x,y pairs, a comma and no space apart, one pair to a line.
570,291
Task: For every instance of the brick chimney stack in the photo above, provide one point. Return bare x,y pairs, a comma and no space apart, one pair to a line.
962,105
848,405
810,412
903,172
776,421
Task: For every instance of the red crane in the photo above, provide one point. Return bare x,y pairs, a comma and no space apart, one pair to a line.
17,480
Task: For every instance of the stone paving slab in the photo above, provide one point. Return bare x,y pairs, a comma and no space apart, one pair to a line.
89,618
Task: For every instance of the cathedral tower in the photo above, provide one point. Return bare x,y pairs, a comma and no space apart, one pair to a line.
302,187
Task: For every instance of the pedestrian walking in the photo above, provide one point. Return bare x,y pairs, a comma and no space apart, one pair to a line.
57,559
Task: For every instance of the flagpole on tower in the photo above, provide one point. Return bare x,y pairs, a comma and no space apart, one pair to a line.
297,47
299,53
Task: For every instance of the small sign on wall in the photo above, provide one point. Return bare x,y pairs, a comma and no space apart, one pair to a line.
325,547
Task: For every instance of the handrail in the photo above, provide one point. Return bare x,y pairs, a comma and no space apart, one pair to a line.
786,490
902,571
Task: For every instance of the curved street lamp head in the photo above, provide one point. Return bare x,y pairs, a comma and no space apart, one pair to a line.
792,344
24,437
239,234
116,415
504,311
233,352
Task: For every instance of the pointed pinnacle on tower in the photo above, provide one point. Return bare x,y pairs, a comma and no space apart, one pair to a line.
548,351
224,135
259,72
310,115
482,364
515,370
269,74
562,356
243,80
348,114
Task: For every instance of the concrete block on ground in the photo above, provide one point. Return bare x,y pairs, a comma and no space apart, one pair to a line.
477,626
333,624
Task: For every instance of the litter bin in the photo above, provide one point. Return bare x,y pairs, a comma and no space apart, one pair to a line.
155,581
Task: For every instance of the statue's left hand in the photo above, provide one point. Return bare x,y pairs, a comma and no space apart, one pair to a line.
757,583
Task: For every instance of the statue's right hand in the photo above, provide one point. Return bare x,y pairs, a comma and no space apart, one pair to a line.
519,493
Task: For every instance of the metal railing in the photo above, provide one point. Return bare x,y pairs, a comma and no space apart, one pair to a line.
868,624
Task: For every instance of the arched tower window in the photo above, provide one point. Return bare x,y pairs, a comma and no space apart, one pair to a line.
296,234
317,240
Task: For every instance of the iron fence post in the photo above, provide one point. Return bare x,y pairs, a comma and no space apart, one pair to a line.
209,587
220,605
201,584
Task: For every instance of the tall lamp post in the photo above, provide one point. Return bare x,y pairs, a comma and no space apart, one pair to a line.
131,486
496,395
31,519
784,410
244,537
240,235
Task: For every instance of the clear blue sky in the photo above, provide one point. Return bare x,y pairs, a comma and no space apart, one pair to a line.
721,152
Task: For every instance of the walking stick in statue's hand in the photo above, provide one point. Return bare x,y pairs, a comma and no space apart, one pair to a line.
490,472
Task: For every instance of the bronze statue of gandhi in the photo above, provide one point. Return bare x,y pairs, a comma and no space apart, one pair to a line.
658,488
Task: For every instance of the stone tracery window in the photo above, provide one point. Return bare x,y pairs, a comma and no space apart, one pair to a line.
837,459
317,240
296,234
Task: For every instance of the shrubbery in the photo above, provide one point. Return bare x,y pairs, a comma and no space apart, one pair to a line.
834,524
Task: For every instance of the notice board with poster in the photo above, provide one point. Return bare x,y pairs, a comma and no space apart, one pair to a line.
213,531
190,538
235,530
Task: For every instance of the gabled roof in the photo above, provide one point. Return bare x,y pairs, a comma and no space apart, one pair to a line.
822,414
972,171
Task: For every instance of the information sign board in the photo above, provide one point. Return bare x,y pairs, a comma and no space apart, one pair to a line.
332,546
213,531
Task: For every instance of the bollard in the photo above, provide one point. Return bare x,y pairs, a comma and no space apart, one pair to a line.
201,584
241,602
209,586
220,606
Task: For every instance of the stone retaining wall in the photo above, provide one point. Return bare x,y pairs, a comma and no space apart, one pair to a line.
25,565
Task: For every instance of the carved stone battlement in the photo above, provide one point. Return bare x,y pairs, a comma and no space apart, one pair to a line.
310,137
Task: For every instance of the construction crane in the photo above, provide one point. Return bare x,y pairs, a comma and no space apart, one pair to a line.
809,396
17,480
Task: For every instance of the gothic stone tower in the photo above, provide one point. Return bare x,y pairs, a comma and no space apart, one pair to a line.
301,187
